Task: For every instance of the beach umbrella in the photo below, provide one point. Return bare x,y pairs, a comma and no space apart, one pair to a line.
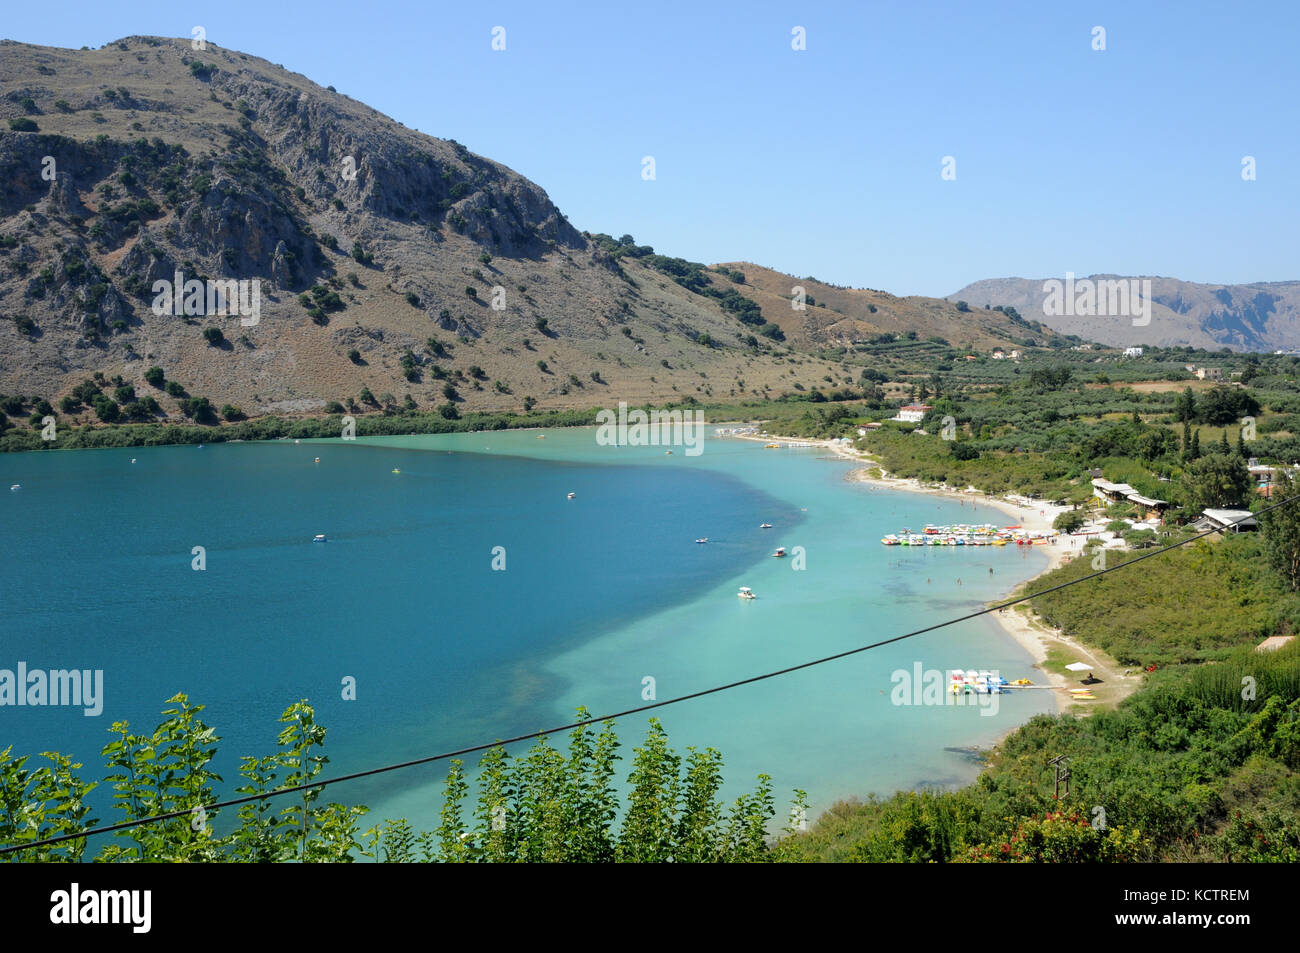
1080,667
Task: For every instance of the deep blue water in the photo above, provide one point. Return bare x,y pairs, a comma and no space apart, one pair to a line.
445,650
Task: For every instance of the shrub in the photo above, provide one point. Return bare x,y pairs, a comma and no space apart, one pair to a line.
23,124
214,336
354,356
1070,521
232,413
175,390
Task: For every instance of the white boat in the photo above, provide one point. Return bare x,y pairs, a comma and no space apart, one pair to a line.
746,593
765,526
318,538
16,486
780,551
572,495
703,539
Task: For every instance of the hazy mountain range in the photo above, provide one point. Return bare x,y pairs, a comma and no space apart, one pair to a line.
1256,317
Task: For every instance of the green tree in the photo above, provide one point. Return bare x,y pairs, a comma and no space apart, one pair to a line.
1217,480
1069,521
1280,527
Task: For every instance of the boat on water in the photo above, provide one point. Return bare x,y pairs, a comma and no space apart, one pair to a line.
318,538
764,525
16,486
971,682
780,551
746,593
668,453
396,470
703,539
571,496
771,446
317,460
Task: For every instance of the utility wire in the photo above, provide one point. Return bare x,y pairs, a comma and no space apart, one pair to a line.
430,759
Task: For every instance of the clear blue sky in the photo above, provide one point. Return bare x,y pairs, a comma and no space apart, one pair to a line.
827,162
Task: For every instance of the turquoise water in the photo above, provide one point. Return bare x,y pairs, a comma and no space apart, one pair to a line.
598,593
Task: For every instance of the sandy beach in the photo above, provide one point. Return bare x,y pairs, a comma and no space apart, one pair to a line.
1020,621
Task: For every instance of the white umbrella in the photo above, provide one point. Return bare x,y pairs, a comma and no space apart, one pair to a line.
1079,667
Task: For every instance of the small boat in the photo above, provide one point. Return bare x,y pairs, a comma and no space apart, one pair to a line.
703,539
318,538
771,446
746,593
200,446
1022,681
16,486
396,470
541,436
572,495
780,551
318,459
764,525
133,459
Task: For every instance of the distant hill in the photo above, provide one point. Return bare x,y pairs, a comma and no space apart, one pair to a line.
842,316
1256,317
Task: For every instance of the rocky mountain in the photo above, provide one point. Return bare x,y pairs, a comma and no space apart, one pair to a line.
320,252
1256,317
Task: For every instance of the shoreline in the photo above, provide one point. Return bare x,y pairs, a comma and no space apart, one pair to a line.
1030,632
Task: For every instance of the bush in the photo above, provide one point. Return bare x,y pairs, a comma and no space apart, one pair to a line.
1070,521
214,336
175,390
354,356
23,124
232,413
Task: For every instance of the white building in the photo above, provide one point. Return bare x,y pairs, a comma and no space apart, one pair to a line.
1234,521
912,413
1132,352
